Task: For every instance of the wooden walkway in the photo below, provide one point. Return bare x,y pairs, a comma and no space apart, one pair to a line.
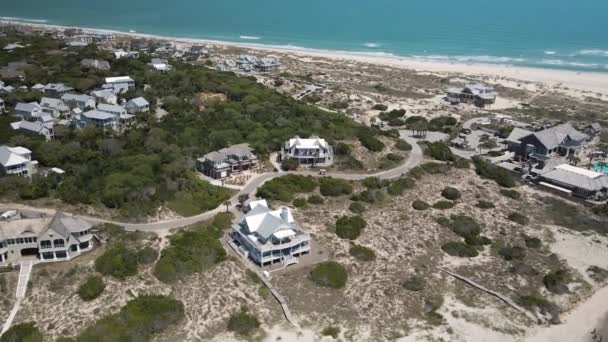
25,270
505,299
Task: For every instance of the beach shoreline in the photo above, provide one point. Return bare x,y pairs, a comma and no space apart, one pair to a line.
586,81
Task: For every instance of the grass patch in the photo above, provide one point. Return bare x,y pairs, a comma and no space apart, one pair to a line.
243,323
362,253
202,197
398,186
300,202
512,253
329,274
518,218
510,193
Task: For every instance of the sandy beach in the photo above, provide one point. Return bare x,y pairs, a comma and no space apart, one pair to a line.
594,82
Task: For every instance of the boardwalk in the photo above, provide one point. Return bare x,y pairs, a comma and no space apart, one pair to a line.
25,270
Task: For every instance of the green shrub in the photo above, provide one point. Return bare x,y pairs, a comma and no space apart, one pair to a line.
342,150
369,196
316,199
523,269
299,202
362,253
333,187
518,218
329,274
243,323
557,281
461,163
434,168
284,188
442,205
290,164
403,145
439,123
350,227
532,242
440,151
459,249
464,226
139,320
477,240
512,253
331,331
510,193
414,283
147,255
420,205
370,142
393,157
380,106
357,208
398,186
117,261
91,288
496,173
485,205
451,193
375,183
223,220
24,332
191,251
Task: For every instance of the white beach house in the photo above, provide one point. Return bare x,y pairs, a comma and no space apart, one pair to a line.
270,237
15,161
313,151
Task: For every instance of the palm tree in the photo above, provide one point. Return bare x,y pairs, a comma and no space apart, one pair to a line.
227,204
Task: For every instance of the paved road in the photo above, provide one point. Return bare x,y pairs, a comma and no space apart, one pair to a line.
414,158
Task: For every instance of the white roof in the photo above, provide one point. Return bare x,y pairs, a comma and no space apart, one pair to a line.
312,142
95,114
119,79
254,204
284,233
57,170
110,108
20,150
579,171
10,158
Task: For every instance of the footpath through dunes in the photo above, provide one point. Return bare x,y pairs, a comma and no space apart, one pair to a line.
414,158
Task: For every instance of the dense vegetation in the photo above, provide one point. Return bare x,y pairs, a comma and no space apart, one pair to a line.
192,251
118,261
24,332
139,320
490,171
151,163
284,188
91,288
243,323
350,227
329,274
334,187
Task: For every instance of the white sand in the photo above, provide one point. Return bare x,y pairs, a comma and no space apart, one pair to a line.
596,82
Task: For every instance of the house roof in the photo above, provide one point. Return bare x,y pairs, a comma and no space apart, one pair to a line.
139,102
517,134
10,157
312,142
77,97
27,107
98,115
119,79
240,150
53,103
60,87
38,86
552,137
105,94
578,177
35,127
110,108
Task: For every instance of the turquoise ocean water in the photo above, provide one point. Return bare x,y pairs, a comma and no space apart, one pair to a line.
562,34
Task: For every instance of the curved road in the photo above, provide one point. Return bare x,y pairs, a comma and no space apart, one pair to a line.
414,158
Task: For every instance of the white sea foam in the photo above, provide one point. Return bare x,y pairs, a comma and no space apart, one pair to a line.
250,37
549,52
132,31
372,45
592,52
26,20
562,63
473,59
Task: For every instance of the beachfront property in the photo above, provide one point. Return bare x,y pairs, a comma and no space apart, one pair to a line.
98,119
248,63
43,237
105,96
199,51
56,89
15,161
227,161
561,140
160,64
478,94
81,101
43,127
137,105
576,181
97,64
267,64
313,151
54,107
269,236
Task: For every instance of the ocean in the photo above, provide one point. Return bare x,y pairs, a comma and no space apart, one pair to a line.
562,34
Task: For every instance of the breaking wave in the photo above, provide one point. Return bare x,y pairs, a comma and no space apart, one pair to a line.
250,37
25,20
592,52
372,45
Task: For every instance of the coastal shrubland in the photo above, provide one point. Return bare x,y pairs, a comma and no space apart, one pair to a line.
243,323
333,187
118,261
420,205
24,332
329,274
284,188
451,193
91,288
350,227
490,171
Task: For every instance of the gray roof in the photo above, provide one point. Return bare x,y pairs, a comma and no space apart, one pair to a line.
578,180
110,108
554,136
139,102
77,97
271,224
240,150
66,225
95,64
95,114
27,107
35,126
53,103
60,87
517,134
105,94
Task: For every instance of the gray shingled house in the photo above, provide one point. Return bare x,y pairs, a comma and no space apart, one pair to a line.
227,161
561,139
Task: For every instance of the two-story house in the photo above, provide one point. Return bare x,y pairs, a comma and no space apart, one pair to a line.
269,236
81,101
54,107
227,161
313,151
15,161
98,119
138,105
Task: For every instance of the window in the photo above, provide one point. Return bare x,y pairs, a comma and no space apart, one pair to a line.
58,243
11,241
45,244
19,240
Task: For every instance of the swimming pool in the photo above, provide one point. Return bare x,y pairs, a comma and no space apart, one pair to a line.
598,168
